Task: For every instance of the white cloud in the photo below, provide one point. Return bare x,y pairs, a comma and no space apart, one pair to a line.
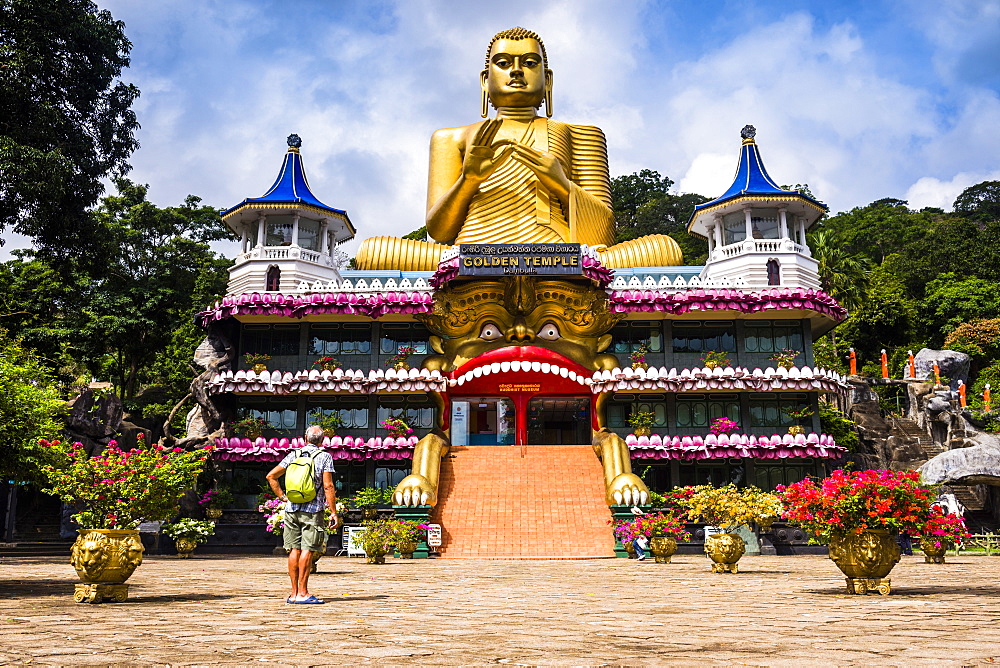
933,192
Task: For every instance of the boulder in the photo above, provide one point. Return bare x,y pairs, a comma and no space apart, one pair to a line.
977,464
953,365
93,416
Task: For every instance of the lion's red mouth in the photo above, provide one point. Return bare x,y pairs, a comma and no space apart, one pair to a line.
518,363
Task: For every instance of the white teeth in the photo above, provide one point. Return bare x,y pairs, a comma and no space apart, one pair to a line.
495,367
504,367
536,366
515,365
461,381
486,370
564,372
572,375
477,372
545,367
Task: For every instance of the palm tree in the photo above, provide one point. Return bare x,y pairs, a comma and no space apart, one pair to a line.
841,275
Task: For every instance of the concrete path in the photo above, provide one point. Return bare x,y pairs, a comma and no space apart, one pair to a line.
778,611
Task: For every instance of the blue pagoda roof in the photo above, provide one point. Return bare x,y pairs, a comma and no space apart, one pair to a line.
752,179
290,188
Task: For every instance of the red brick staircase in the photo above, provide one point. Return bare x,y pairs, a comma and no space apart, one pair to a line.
549,503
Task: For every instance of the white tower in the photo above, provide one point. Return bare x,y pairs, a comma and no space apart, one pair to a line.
756,230
288,235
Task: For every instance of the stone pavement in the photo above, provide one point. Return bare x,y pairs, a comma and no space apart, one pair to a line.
778,611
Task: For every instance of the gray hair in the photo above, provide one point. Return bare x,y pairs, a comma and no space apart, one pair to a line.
314,434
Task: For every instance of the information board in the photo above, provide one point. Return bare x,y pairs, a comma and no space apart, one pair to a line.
351,544
535,259
434,535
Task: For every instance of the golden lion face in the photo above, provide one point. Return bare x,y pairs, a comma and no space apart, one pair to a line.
521,312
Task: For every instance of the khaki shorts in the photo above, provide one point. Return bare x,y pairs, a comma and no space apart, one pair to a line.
304,531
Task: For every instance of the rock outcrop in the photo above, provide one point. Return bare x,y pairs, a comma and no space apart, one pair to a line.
952,365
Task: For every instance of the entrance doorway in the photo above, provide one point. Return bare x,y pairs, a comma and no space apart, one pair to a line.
559,421
482,421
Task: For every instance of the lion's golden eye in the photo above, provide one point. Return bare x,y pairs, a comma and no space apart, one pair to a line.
490,332
549,332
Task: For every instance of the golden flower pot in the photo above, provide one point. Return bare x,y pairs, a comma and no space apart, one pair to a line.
330,366
213,513
629,548
725,550
407,549
376,558
104,559
369,513
401,366
643,431
934,550
259,368
662,547
796,429
185,546
640,365
866,560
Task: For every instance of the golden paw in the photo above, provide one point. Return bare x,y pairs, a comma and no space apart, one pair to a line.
628,489
415,490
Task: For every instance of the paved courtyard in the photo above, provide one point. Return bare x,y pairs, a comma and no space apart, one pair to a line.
779,611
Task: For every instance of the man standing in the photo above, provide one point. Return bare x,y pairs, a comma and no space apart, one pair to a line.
304,528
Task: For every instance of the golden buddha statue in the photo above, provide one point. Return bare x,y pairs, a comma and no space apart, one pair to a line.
517,178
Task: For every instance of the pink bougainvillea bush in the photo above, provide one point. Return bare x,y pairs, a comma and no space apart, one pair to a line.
944,528
118,488
858,501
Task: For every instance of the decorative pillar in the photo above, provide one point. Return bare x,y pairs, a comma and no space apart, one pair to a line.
782,223
295,229
711,239
718,231
324,247
749,224
243,238
261,228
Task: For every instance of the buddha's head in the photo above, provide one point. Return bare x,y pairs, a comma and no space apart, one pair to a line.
516,73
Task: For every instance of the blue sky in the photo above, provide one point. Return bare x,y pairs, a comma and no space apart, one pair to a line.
861,100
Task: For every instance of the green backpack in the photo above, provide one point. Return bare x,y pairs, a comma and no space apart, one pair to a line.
300,487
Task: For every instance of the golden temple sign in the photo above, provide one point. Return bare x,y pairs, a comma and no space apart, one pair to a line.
500,259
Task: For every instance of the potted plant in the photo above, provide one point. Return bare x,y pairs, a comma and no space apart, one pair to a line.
273,510
368,498
626,531
858,514
642,422
715,358
377,538
798,415
250,427
785,358
327,363
728,508
398,361
256,361
113,492
397,427
723,425
663,531
328,422
940,533
188,533
638,356
408,535
214,500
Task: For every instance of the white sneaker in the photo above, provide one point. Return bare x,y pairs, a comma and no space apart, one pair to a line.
640,558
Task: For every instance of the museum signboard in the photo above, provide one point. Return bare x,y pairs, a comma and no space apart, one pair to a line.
508,259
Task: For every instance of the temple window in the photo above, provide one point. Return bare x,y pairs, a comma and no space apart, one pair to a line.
768,412
623,406
773,272
764,223
278,231
397,335
274,340
273,280
699,337
309,236
387,477
715,473
353,412
279,412
696,412
768,475
628,336
734,228
416,411
772,336
340,339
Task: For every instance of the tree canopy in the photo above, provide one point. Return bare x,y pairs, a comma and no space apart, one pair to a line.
65,119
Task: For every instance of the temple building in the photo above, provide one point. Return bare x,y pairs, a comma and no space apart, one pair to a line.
519,378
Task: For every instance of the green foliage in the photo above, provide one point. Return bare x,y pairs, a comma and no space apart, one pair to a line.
826,355
990,375
29,407
117,489
65,120
369,497
197,530
978,338
378,536
641,419
951,302
328,422
981,201
884,317
418,234
838,425
642,204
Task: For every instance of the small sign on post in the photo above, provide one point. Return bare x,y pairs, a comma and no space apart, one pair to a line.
351,544
433,535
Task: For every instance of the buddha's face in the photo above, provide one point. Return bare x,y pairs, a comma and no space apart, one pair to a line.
516,73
